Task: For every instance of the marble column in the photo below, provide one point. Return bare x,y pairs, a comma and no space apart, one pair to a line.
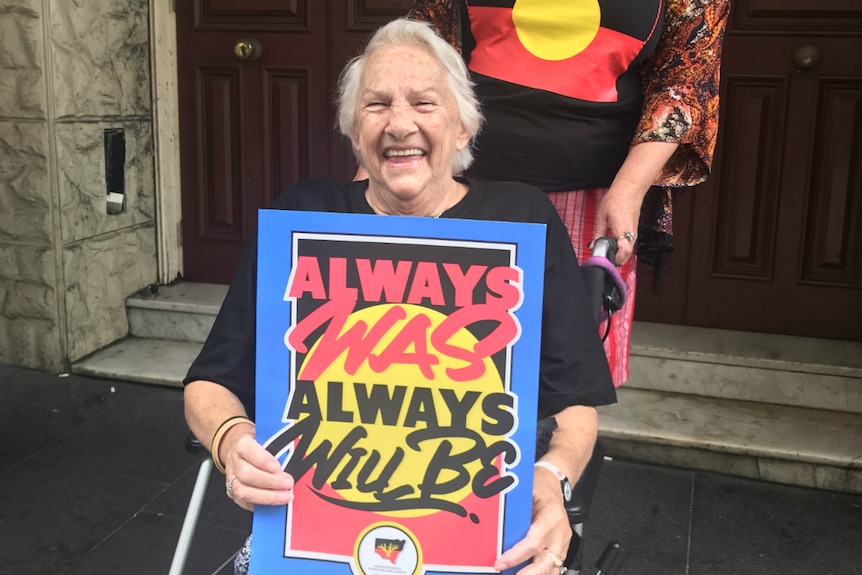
69,70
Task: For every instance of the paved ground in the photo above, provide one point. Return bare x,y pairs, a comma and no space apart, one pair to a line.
94,480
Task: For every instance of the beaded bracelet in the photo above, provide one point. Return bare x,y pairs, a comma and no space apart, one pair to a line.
225,426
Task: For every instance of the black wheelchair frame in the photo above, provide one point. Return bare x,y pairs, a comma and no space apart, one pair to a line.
606,292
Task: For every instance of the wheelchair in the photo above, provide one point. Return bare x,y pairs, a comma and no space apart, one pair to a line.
607,292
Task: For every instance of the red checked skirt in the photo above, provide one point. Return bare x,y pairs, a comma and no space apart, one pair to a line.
579,210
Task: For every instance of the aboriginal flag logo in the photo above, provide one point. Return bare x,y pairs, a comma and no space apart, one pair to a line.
387,549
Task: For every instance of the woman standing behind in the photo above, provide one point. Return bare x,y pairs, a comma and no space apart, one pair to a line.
595,102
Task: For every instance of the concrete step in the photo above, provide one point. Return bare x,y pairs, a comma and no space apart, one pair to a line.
767,368
184,311
142,360
792,445
166,332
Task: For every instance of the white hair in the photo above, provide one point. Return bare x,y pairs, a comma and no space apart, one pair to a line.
403,32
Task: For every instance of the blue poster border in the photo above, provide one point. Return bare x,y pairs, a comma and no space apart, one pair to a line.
276,232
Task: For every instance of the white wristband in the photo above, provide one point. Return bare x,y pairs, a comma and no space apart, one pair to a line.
553,469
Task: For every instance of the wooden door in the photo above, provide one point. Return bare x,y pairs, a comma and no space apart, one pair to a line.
251,127
773,241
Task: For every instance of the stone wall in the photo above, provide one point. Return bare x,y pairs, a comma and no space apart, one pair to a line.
69,70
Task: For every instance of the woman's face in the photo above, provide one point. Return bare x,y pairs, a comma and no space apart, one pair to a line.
408,128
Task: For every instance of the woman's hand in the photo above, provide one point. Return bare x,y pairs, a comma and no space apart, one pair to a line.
620,207
547,540
619,214
253,476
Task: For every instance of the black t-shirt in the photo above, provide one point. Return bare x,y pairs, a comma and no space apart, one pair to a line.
561,92
573,367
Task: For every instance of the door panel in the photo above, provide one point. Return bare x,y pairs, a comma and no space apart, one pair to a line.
774,233
287,137
236,15
748,196
218,194
834,210
801,16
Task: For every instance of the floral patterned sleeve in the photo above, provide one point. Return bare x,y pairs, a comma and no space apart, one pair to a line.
443,15
681,83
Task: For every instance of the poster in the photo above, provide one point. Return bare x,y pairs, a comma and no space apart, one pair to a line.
397,374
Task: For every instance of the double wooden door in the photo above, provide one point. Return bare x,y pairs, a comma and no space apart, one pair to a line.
772,242
256,113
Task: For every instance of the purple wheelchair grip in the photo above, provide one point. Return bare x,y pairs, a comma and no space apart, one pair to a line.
611,270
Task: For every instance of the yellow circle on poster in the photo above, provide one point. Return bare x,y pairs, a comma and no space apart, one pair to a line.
423,405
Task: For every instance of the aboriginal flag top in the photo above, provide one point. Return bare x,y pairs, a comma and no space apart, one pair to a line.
576,48
560,86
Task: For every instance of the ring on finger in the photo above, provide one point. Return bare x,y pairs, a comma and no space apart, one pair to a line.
627,235
558,562
229,487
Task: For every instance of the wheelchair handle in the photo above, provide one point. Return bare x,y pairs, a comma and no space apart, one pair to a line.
605,247
595,270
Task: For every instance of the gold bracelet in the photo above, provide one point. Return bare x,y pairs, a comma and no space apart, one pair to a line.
225,426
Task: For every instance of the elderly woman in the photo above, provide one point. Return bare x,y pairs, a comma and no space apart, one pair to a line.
407,106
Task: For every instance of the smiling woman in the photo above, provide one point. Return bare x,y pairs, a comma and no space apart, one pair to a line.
408,108
407,132
456,77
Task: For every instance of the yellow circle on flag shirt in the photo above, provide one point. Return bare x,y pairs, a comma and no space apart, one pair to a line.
556,29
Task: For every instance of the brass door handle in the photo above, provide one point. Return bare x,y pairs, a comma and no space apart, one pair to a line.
806,56
247,49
